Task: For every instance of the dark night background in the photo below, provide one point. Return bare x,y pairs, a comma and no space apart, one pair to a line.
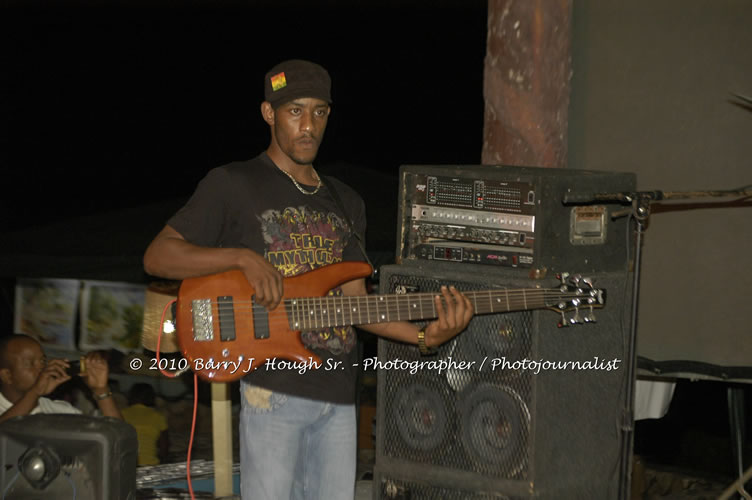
109,106
113,106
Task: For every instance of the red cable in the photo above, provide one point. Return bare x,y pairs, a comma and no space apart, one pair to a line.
195,398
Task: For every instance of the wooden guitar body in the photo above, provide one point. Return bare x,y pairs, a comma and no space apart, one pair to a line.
257,333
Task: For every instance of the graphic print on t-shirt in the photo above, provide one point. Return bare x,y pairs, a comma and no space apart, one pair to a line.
299,240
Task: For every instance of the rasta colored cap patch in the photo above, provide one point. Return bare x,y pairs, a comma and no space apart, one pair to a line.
296,78
279,81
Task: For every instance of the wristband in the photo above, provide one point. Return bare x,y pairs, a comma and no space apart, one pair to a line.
100,397
422,347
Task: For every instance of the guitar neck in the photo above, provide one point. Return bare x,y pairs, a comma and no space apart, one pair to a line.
312,313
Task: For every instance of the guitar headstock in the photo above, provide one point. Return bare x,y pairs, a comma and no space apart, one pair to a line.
578,295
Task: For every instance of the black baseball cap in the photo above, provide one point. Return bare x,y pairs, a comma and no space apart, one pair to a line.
295,78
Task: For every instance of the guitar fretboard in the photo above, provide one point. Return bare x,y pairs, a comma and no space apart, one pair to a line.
312,313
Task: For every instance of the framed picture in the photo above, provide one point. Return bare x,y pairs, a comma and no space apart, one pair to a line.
46,310
112,316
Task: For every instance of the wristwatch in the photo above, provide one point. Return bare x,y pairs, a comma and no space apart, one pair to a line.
105,395
422,347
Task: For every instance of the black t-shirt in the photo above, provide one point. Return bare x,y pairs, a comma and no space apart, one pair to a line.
253,204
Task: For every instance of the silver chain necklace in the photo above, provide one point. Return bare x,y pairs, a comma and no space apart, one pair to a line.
300,188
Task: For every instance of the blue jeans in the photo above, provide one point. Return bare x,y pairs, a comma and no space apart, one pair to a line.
295,448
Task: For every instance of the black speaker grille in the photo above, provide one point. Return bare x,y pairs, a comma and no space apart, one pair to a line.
464,408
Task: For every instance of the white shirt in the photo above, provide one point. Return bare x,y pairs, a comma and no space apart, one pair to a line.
44,405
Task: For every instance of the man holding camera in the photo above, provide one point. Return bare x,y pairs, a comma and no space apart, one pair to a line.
27,377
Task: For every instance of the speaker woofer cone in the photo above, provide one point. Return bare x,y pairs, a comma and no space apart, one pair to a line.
421,416
494,428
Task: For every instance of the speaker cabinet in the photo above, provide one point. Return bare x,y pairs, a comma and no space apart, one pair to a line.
513,407
48,457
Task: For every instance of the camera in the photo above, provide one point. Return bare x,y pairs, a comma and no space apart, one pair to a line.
77,367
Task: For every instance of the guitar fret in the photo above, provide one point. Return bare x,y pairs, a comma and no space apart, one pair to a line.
488,305
293,323
316,307
344,309
338,310
318,317
292,314
307,314
349,307
298,315
311,314
354,309
326,311
322,312
301,314
471,296
379,307
324,308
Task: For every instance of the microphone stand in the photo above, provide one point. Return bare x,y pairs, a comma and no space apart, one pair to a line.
639,211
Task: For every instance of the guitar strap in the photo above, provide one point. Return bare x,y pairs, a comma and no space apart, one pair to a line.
341,207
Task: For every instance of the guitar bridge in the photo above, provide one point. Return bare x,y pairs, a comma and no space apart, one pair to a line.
203,326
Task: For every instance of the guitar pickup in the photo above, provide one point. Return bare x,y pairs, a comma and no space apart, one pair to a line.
260,320
226,313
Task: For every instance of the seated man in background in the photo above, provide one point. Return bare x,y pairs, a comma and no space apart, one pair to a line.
150,425
27,377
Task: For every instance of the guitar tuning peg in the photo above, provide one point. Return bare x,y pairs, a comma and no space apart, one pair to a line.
588,282
563,322
562,277
577,319
590,316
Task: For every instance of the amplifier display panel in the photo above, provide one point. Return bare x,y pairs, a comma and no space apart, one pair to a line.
465,219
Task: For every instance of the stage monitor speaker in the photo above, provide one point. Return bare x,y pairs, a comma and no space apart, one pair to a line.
48,457
513,407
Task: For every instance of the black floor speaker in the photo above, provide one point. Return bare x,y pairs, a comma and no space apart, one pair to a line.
513,407
56,456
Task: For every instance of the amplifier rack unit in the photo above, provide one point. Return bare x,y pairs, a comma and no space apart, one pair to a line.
494,215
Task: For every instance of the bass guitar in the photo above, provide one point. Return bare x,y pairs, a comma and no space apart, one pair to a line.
224,334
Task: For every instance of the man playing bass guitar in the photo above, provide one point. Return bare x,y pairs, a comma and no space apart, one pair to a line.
271,218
